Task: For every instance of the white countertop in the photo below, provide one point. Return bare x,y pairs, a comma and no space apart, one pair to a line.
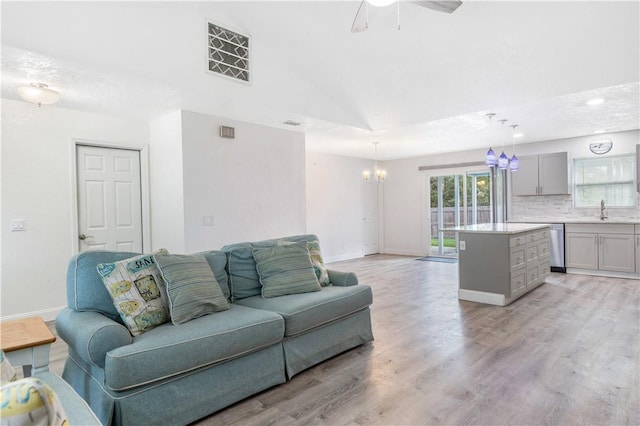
623,220
499,228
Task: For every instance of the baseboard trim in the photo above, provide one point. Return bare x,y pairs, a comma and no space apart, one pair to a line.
610,274
342,257
402,252
481,297
46,314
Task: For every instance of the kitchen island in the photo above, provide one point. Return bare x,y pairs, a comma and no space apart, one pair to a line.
500,262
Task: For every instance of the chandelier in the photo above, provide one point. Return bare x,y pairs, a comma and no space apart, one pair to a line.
378,173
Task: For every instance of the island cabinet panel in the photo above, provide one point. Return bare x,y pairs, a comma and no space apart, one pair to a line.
499,267
637,230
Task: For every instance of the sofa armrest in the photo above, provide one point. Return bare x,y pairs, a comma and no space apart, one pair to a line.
91,334
342,279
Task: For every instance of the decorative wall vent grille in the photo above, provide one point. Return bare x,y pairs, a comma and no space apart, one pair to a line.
228,53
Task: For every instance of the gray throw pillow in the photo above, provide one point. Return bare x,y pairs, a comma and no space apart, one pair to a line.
285,269
192,288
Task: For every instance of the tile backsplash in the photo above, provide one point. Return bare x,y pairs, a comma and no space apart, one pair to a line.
561,207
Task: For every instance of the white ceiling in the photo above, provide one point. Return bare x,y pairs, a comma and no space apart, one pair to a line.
423,89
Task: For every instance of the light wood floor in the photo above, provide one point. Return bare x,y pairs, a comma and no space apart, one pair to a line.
568,353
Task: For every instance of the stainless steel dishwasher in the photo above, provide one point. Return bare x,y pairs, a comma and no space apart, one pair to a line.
557,248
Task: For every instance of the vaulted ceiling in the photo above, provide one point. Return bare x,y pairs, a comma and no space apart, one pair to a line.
423,89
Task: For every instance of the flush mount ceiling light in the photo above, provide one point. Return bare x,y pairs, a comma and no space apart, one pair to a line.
595,101
39,93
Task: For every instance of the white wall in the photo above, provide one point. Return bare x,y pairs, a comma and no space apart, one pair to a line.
253,185
37,175
406,191
166,183
335,203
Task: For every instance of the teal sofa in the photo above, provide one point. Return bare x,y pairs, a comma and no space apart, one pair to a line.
176,374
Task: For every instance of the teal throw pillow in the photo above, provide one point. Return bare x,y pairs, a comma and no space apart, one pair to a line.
285,269
192,288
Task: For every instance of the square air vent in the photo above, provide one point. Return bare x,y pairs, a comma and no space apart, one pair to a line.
228,53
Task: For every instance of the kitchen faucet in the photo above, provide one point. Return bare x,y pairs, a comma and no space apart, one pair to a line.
602,216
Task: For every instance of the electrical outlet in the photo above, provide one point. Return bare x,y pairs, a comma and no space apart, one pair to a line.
463,245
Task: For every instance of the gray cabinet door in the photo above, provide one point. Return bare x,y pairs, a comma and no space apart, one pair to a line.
581,250
553,174
525,180
616,252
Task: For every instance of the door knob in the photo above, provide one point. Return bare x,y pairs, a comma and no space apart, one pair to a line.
83,237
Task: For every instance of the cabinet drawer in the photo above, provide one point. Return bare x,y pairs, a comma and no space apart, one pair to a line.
518,258
532,274
544,268
518,282
518,240
531,253
543,248
537,236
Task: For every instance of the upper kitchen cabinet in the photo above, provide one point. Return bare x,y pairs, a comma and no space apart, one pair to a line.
545,174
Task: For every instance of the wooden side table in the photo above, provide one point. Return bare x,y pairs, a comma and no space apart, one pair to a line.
26,342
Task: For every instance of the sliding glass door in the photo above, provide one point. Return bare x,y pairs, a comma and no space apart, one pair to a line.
457,200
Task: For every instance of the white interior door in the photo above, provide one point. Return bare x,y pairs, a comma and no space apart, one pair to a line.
109,199
370,219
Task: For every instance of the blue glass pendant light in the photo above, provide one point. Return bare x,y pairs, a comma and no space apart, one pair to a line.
503,161
491,160
514,164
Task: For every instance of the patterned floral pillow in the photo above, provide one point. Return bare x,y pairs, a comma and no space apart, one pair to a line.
137,290
318,264
30,401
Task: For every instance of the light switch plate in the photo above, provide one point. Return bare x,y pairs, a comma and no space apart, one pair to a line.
208,221
18,225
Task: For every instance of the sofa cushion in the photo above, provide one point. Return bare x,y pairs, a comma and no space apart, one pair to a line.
218,263
137,290
169,350
302,312
192,288
241,266
285,269
85,290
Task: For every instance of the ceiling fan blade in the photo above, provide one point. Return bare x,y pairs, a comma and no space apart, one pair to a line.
446,6
360,22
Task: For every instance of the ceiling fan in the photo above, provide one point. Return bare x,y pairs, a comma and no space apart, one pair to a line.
361,21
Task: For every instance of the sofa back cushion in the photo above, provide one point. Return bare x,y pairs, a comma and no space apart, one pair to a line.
241,266
85,290
218,263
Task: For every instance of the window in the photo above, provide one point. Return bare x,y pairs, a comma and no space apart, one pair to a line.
608,178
